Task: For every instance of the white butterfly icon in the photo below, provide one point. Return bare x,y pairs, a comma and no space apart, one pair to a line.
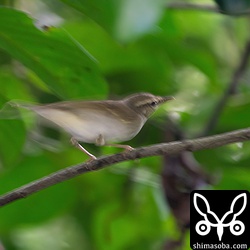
203,227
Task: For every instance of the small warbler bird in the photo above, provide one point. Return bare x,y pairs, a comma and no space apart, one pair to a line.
102,122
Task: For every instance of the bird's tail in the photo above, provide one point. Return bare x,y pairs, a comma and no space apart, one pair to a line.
11,109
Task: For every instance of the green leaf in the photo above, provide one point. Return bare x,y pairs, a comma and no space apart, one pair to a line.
236,115
126,20
39,207
64,66
101,11
13,88
141,66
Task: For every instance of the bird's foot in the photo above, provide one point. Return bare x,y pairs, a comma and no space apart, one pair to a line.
126,147
79,146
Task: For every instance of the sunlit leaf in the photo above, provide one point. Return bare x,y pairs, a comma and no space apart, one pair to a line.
124,19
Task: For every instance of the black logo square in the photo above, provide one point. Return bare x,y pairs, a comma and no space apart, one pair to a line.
220,219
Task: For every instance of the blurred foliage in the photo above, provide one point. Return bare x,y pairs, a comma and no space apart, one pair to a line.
101,49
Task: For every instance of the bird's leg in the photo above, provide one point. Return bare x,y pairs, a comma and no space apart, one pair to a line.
100,141
79,146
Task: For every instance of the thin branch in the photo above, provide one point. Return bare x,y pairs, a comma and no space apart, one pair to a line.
231,89
204,7
191,6
172,148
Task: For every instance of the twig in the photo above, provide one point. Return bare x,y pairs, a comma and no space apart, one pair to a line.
172,148
205,7
231,89
191,6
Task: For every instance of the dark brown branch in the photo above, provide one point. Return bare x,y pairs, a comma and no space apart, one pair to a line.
231,89
172,148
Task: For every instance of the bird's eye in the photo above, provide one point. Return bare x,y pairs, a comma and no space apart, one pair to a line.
153,103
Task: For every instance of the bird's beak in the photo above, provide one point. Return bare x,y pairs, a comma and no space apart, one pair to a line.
167,98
